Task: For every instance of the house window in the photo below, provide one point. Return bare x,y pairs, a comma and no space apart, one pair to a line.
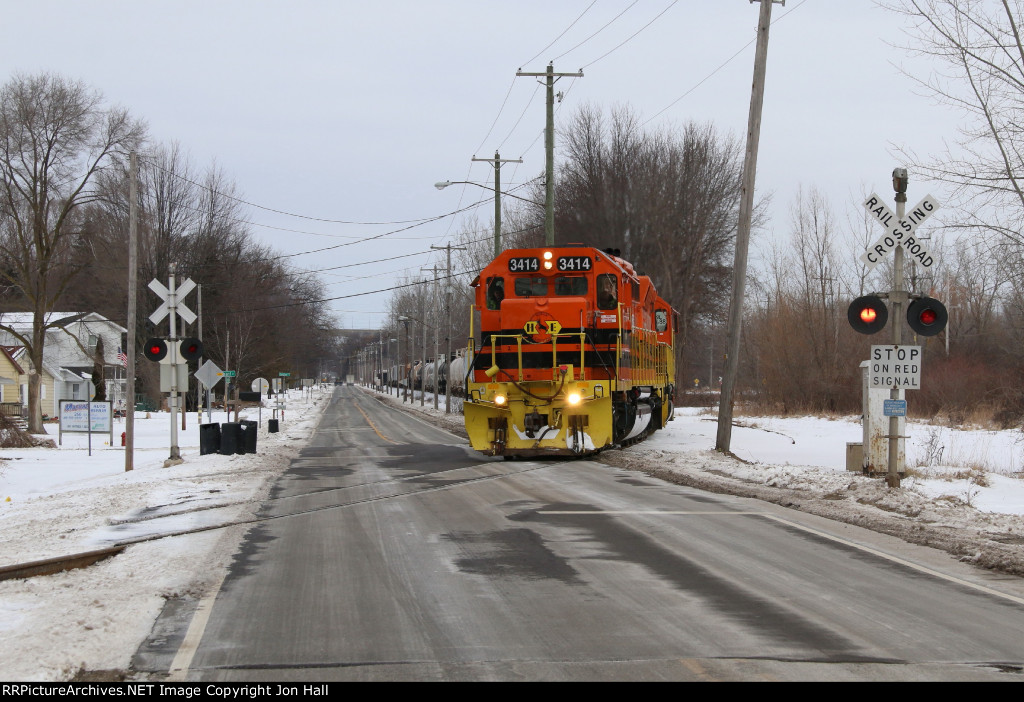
93,339
74,391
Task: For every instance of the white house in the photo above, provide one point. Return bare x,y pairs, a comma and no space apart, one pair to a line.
68,354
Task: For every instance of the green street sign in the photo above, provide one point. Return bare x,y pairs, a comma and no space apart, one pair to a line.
229,374
284,375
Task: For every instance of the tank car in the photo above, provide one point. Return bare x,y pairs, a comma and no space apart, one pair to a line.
575,354
455,374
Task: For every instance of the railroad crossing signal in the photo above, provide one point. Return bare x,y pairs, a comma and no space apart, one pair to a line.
868,314
926,316
173,352
172,301
899,232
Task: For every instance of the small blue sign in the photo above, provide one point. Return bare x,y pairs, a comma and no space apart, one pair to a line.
894,408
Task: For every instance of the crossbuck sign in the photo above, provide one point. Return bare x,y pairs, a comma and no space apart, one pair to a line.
899,232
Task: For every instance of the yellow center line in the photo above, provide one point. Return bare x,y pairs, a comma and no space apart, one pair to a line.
372,425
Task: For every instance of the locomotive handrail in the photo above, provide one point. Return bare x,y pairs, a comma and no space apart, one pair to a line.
519,350
583,343
618,346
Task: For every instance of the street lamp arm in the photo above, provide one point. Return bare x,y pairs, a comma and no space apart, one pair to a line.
445,183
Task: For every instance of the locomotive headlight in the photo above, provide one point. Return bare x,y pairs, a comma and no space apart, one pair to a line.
573,398
548,255
500,400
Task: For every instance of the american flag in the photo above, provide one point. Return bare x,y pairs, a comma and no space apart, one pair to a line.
122,357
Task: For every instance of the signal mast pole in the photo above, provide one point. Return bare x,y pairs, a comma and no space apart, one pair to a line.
898,298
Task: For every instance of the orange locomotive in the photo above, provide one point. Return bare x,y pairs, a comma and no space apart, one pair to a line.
575,355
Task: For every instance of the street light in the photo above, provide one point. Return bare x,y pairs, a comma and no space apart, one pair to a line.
497,203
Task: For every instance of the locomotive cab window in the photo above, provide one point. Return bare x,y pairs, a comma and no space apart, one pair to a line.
607,292
531,287
495,292
661,320
571,286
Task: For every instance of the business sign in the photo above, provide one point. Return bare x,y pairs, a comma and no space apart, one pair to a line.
85,417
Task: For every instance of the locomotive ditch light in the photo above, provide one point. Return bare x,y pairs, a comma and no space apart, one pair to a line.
868,314
927,316
500,400
573,398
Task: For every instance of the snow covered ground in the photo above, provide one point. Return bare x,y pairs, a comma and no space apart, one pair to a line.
968,499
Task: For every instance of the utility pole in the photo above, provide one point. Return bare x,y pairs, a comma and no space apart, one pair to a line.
549,148
133,275
436,364
498,160
423,363
739,272
448,331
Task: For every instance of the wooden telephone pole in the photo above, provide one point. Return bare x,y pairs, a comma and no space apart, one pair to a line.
739,271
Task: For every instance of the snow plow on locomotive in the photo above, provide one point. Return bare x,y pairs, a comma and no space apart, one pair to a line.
575,354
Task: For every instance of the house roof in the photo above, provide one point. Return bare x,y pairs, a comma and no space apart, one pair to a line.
10,352
23,320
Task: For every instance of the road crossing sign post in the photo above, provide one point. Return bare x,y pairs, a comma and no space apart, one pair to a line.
898,366
172,308
209,375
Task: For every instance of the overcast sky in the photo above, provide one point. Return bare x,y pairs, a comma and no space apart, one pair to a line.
351,111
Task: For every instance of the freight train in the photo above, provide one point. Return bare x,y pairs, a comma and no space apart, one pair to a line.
576,354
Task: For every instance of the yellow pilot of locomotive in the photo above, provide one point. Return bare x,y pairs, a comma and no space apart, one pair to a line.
575,354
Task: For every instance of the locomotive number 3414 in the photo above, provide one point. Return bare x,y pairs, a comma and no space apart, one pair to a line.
524,264
574,263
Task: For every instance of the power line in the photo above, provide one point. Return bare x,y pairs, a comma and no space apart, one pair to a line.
720,67
631,37
609,23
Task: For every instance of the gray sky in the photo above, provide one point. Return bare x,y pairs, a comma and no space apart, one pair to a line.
344,110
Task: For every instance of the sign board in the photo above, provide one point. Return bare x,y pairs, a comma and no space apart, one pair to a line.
229,374
209,375
894,408
284,375
85,417
260,385
168,303
899,232
174,377
896,367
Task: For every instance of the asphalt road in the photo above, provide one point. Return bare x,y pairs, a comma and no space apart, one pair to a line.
391,552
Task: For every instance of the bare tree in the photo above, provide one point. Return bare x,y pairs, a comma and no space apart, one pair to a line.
977,49
55,137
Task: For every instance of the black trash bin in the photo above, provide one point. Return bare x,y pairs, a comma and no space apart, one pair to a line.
272,426
249,429
209,438
230,438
